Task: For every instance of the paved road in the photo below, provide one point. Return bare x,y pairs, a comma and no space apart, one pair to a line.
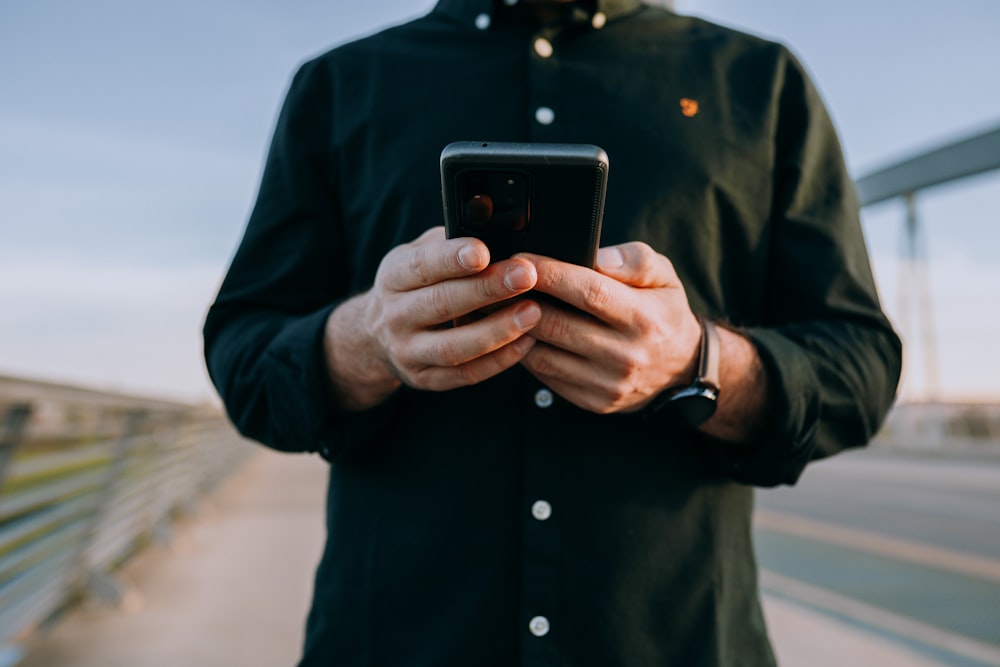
907,545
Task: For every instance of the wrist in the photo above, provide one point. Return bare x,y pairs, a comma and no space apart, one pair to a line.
744,412
358,374
690,404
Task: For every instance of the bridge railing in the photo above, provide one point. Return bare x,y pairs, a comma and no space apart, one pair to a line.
943,427
87,479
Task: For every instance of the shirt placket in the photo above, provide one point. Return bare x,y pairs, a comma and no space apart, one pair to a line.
540,508
544,99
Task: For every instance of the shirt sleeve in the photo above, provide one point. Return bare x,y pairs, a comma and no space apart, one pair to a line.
832,356
264,332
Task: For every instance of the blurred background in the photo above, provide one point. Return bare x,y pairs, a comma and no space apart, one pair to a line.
131,141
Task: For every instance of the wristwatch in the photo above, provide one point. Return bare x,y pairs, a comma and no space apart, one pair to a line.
692,405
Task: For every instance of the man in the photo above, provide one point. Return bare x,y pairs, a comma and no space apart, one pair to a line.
544,485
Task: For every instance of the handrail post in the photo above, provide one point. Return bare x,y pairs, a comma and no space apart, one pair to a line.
15,423
104,586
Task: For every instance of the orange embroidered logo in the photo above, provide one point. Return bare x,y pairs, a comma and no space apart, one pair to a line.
689,107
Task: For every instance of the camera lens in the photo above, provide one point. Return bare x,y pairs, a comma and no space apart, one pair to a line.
478,210
494,200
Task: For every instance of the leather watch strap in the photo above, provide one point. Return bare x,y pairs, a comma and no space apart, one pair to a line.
708,364
691,405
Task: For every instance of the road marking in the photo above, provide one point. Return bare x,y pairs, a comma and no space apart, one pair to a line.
892,547
879,618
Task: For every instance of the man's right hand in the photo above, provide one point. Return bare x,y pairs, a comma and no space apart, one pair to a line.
400,330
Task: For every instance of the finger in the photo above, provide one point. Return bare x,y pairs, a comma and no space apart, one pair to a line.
638,265
431,259
431,234
452,348
604,297
453,299
574,382
573,394
479,369
556,364
578,333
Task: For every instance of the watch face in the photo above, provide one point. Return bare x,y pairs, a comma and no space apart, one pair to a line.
689,407
695,409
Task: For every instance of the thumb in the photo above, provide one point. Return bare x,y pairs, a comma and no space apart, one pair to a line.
610,260
636,264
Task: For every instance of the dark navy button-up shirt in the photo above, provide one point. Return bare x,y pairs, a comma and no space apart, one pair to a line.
498,525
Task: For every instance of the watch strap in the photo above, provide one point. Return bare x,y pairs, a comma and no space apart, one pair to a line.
690,405
708,363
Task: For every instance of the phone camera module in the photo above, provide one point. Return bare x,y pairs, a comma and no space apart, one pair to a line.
496,201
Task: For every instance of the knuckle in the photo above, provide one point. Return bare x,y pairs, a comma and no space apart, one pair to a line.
632,379
646,328
468,374
635,361
640,251
507,356
427,380
487,289
417,266
651,265
550,280
644,251
613,392
383,275
398,352
668,264
596,294
437,303
595,402
613,400
603,408
543,363
447,353
553,328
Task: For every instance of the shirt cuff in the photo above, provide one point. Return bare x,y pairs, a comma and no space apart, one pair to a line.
782,453
302,397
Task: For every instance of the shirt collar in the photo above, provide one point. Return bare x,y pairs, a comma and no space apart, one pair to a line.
469,10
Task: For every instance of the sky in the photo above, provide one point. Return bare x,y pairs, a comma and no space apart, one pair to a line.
132,137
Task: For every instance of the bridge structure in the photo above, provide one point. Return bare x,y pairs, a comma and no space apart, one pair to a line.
907,179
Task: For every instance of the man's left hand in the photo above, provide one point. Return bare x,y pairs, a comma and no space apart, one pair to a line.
633,336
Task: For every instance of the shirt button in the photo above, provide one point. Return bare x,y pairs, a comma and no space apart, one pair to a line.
539,626
543,47
545,115
599,20
543,398
541,510
483,21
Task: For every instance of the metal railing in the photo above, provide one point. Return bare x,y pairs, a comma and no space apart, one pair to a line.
86,479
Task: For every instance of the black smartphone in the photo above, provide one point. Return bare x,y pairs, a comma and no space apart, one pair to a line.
542,198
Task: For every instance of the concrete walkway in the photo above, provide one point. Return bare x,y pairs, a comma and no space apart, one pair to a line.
233,588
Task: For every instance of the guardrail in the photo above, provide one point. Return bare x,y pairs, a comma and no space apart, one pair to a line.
943,427
86,479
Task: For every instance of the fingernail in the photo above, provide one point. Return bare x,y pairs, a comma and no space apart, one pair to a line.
517,278
527,316
470,258
610,258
